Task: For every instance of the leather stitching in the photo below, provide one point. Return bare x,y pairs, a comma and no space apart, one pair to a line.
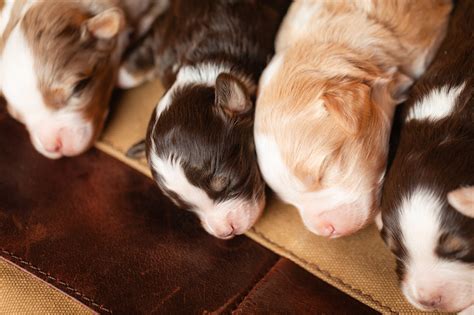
256,283
261,280
325,273
46,276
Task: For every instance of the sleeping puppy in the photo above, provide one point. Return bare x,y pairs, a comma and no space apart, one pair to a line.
428,196
326,101
59,62
209,54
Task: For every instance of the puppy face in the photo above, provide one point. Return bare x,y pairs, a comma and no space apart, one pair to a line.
201,152
434,245
61,88
428,202
322,136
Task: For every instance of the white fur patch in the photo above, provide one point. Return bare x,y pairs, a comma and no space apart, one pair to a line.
343,209
271,70
5,15
20,88
419,223
175,180
429,277
20,84
126,80
438,104
207,73
222,219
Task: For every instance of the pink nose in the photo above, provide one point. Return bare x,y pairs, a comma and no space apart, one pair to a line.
431,303
54,146
229,233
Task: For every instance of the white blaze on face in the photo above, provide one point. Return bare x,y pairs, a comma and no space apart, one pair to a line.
431,282
48,128
222,219
330,212
436,105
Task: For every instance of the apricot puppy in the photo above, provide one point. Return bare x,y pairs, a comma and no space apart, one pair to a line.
326,101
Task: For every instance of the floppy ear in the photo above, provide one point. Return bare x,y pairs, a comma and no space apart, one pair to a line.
107,24
232,95
137,151
391,89
346,102
462,199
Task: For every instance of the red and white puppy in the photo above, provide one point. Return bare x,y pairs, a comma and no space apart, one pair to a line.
428,196
58,66
326,101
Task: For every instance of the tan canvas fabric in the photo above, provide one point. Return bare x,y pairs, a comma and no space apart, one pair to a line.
359,265
23,293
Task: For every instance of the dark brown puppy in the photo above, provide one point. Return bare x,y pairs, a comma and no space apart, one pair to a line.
209,54
428,195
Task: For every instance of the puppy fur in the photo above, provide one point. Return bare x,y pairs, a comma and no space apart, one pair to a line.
326,102
59,63
428,196
209,54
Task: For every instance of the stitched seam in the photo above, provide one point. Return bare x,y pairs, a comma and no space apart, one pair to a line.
326,273
51,278
256,283
262,280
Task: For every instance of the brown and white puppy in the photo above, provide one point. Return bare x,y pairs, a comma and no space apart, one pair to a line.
326,101
209,54
428,196
59,62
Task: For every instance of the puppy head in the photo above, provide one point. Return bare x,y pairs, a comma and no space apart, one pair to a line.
431,235
322,137
62,87
201,151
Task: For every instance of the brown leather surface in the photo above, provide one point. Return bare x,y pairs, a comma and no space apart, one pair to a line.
102,233
289,289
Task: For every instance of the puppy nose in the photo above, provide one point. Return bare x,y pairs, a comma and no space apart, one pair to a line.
432,302
230,233
55,147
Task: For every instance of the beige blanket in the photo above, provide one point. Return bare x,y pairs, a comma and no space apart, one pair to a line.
359,265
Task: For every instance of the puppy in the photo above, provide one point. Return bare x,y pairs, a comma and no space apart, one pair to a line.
326,101
428,196
209,54
59,62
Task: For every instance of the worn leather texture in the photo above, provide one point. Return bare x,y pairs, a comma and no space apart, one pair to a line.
102,233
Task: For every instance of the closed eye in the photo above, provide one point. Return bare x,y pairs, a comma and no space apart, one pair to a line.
80,86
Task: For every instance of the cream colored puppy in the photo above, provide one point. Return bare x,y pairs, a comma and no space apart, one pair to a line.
326,102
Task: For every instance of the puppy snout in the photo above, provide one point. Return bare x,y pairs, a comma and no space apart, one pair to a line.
65,141
339,221
432,302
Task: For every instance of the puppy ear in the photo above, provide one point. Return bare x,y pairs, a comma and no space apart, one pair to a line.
346,102
232,95
391,89
462,199
137,151
107,24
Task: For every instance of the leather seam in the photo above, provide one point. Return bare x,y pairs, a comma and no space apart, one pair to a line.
256,283
261,280
48,278
324,272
